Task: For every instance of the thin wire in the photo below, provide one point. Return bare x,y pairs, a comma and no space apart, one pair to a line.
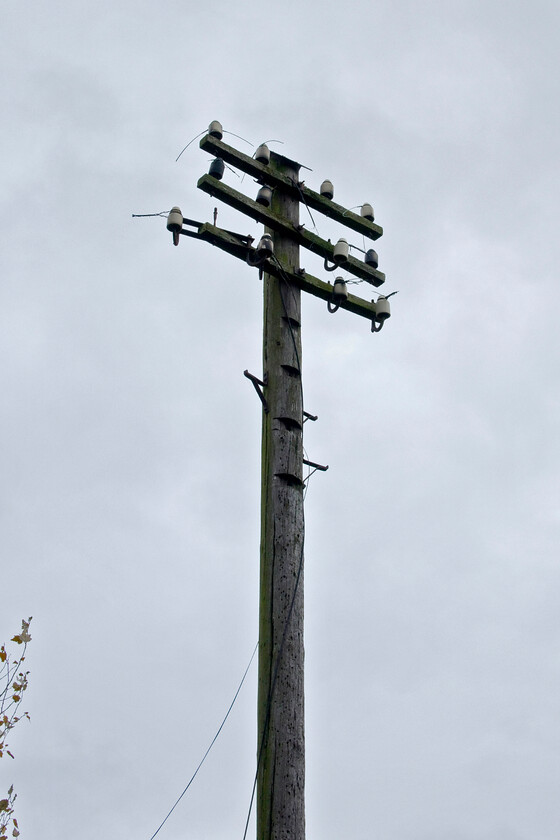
188,144
204,132
308,476
306,488
238,136
235,172
164,213
349,209
307,206
380,295
227,166
211,745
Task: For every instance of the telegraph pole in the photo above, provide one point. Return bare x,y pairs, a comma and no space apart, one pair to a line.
280,773
281,759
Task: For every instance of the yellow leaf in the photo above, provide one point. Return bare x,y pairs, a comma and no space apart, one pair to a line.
4,804
17,639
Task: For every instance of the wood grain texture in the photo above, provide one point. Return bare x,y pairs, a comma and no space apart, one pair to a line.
281,737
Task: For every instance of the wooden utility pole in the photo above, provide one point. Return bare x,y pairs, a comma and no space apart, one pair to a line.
281,739
281,759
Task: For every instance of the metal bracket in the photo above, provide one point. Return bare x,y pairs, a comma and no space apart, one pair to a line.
308,416
245,239
315,466
258,384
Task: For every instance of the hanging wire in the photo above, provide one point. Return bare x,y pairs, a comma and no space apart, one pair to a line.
235,172
238,136
204,132
305,481
227,166
308,476
349,209
307,206
191,780
189,143
164,213
266,142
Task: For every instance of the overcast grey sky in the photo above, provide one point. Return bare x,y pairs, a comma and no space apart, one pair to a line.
131,440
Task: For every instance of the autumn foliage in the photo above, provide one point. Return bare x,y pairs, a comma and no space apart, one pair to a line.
13,684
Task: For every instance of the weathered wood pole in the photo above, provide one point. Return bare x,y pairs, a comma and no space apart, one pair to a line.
281,744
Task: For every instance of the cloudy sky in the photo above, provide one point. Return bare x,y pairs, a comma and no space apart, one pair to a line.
131,440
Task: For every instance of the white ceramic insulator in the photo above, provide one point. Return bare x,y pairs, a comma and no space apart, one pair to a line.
215,129
263,154
367,212
175,219
264,196
327,189
265,245
340,252
340,289
382,309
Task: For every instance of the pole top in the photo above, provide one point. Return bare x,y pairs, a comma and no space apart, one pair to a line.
281,162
